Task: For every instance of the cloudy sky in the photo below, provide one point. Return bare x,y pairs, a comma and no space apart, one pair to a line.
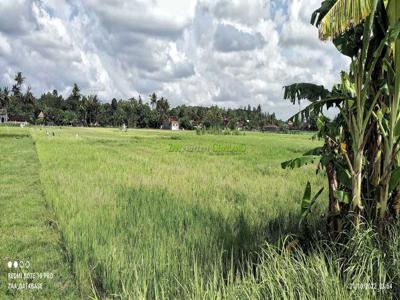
195,52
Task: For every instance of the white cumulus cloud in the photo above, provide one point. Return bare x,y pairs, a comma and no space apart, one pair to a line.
194,52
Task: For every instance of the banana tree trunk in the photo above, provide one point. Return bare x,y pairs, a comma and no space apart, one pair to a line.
394,115
376,158
356,188
384,187
334,213
396,203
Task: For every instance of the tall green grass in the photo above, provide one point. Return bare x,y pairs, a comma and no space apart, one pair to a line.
142,222
26,233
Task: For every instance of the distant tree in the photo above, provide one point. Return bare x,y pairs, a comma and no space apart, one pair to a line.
82,111
120,115
162,108
29,99
4,97
213,117
114,105
17,87
52,106
93,108
70,118
87,110
73,101
105,115
153,100
132,108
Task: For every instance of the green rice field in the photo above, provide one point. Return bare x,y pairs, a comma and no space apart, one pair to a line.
149,214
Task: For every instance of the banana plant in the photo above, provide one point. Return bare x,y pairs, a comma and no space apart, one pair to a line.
388,117
329,158
364,30
355,114
336,19
307,202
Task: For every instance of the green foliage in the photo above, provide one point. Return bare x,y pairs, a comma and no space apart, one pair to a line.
309,91
361,144
87,110
321,12
319,97
219,131
307,202
343,197
394,179
342,15
300,161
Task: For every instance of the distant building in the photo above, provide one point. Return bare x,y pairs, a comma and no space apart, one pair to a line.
271,128
226,122
171,124
240,126
15,120
41,116
3,115
196,124
18,119
299,126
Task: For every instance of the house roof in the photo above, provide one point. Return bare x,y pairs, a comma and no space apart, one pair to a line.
17,118
41,115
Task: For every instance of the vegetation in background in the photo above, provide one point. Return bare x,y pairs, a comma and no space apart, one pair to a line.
219,131
81,110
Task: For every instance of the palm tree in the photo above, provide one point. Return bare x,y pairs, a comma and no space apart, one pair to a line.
83,109
92,108
153,100
19,80
162,107
29,98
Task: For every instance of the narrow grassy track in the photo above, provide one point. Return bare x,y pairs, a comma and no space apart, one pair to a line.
27,231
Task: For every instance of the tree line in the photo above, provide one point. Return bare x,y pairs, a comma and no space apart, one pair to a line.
86,110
